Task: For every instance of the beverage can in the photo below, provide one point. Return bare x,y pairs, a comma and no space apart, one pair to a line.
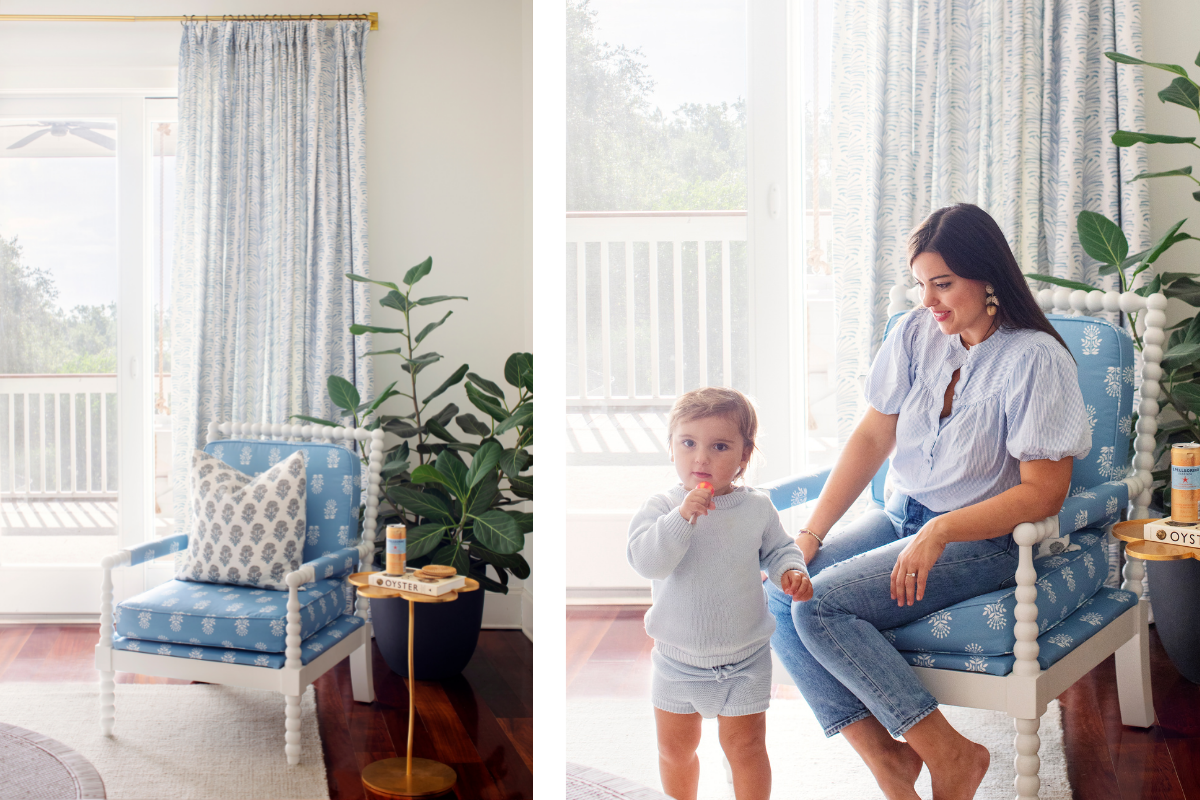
396,543
1185,481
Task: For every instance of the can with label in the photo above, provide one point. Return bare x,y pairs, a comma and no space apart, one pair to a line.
1185,481
396,548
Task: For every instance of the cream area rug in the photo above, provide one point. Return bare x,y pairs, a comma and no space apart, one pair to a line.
617,736
198,742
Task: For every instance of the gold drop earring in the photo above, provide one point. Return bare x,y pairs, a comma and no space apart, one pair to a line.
992,302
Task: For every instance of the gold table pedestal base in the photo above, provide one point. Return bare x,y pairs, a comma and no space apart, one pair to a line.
388,778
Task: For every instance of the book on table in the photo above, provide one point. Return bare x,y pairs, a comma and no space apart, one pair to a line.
414,581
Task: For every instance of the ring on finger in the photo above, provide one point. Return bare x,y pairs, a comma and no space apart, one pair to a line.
912,574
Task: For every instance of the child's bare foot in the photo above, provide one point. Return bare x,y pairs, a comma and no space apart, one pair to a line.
960,780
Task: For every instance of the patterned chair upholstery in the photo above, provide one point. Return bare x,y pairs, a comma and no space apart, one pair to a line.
1017,648
247,636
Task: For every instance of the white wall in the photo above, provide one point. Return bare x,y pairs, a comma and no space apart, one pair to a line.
448,149
1171,35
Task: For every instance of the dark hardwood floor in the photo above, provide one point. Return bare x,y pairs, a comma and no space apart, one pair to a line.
608,655
480,722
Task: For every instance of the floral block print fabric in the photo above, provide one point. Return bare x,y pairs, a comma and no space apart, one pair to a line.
983,625
1107,372
311,647
1105,606
238,617
245,531
333,492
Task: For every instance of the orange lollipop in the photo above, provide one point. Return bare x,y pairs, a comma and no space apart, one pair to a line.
700,485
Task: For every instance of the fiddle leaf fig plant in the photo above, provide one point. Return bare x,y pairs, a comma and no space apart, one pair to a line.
458,512
1103,240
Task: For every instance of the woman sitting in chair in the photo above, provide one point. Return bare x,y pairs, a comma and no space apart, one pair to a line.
979,398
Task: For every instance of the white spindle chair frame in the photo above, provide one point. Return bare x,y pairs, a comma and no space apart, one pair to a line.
294,677
1025,692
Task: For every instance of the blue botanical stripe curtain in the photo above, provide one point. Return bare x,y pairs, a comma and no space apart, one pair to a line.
1008,104
271,215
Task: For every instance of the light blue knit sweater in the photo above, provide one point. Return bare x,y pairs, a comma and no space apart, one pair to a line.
709,607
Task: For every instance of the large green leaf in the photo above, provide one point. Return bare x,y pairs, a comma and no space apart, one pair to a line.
428,473
485,403
315,420
518,370
455,471
521,486
423,504
1181,92
441,298
452,555
361,279
490,585
471,425
424,539
358,330
512,461
484,463
499,532
1182,171
522,415
483,495
385,395
1150,288
1130,138
1180,355
444,416
342,393
1121,58
1192,332
513,562
486,385
428,329
439,431
394,468
1101,238
1033,276
1188,394
524,520
415,365
397,300
451,381
1185,289
419,271
403,429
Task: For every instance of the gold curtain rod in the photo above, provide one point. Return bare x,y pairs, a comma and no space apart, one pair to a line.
373,17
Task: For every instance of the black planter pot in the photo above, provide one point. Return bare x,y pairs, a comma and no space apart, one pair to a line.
1175,595
444,640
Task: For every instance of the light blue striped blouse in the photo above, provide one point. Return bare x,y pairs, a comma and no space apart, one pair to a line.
1017,399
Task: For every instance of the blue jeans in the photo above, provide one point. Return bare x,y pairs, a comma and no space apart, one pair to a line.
833,646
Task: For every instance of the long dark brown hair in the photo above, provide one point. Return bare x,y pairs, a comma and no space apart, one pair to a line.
974,247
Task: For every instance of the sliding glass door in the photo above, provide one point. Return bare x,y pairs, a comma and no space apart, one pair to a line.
75,335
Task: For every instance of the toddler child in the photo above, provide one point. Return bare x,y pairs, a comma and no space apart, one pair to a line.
703,548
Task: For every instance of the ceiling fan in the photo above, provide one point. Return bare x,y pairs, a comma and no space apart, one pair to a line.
82,129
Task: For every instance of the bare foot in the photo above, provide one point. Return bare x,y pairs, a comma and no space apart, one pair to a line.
897,771
959,780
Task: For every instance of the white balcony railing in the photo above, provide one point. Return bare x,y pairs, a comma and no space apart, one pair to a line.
58,436
657,304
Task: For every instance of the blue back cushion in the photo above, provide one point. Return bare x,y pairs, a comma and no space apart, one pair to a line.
1104,355
333,492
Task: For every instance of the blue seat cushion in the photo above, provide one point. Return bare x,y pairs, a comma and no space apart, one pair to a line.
983,625
230,617
333,492
312,647
1101,609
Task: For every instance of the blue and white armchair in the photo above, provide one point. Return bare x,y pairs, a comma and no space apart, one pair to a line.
250,637
1015,649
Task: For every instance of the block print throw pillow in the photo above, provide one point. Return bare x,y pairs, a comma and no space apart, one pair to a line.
244,531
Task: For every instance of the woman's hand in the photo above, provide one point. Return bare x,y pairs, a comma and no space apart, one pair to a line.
918,557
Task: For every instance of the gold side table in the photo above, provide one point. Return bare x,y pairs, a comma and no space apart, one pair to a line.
408,777
1144,549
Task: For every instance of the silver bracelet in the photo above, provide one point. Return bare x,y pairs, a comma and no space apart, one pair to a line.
820,539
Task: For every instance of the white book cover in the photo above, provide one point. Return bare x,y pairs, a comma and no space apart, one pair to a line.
1166,533
418,584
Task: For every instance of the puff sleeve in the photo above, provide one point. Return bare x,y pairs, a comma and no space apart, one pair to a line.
891,375
1044,408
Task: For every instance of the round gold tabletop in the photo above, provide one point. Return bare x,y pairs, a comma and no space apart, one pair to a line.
1137,546
389,778
362,580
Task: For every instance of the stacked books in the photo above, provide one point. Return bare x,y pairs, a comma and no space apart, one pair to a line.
418,582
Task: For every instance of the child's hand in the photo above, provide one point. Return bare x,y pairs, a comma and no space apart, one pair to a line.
697,503
797,584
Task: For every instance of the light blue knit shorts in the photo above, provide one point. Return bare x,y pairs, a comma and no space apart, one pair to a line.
731,690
